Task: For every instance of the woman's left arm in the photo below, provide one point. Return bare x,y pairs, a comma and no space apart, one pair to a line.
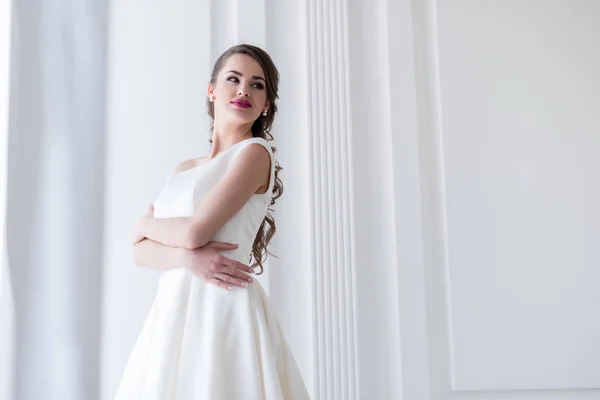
242,179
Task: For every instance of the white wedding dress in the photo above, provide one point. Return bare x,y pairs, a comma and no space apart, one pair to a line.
203,342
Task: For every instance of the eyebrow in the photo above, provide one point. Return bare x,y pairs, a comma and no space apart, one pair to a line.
254,77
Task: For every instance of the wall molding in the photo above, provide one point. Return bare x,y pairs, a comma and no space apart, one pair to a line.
330,150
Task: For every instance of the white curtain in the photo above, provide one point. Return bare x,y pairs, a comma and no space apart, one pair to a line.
6,303
54,189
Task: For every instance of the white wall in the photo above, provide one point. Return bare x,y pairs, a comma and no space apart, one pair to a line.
509,138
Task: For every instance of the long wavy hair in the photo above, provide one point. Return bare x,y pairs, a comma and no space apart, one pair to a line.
261,128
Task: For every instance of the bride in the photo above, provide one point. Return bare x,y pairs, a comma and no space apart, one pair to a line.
211,332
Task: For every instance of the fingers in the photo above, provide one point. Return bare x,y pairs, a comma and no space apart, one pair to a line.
227,277
222,246
231,279
228,261
236,273
234,264
226,281
244,267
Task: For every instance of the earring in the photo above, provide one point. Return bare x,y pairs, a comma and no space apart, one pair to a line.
211,98
265,113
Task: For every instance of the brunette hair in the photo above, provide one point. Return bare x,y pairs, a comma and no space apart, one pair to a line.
260,128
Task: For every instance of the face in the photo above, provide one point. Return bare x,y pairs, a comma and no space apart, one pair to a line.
239,92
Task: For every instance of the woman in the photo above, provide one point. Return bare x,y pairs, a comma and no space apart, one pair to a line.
200,341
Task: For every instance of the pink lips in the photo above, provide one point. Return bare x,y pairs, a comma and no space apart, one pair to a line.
241,103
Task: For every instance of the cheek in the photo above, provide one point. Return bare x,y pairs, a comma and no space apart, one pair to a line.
223,90
261,97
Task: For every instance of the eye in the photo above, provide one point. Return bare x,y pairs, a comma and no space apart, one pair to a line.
256,85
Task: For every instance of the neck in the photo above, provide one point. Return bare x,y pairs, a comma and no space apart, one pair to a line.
226,135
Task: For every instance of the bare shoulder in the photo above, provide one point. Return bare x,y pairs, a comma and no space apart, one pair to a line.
188,164
255,155
254,165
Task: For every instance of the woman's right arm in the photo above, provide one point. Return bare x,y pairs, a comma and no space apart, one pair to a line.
204,262
149,253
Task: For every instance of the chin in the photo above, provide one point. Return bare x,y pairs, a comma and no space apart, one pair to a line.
242,117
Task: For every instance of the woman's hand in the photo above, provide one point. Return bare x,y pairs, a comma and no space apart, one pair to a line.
137,236
206,263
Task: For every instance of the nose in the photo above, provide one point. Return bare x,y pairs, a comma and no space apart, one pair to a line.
243,92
